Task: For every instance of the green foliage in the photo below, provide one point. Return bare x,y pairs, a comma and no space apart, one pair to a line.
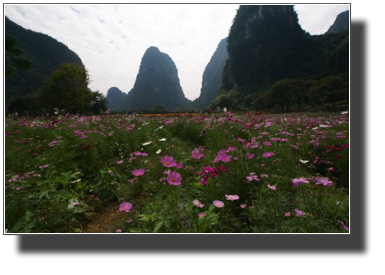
330,89
43,51
66,88
14,54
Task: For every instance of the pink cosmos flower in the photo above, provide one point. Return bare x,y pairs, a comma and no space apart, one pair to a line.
249,156
300,213
128,221
231,197
167,172
18,188
119,162
331,169
298,181
174,178
201,215
138,172
218,204
110,172
168,161
119,231
232,148
243,205
266,155
125,206
195,154
225,158
253,177
343,225
287,214
272,187
179,165
267,143
325,181
198,204
296,199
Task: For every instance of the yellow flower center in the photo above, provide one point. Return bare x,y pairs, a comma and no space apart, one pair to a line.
225,158
173,179
199,203
231,198
125,207
167,163
219,204
196,156
138,173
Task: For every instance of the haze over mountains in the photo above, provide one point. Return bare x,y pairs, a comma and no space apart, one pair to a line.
265,44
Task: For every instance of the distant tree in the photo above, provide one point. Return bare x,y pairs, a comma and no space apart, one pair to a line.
159,108
14,54
330,89
97,104
66,88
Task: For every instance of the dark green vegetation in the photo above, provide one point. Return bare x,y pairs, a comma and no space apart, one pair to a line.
66,89
211,80
266,45
43,51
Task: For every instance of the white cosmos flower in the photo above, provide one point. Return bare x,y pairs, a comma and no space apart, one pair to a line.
158,152
147,143
303,161
163,139
160,127
344,113
321,125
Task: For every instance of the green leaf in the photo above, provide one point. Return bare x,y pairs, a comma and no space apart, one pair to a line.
167,223
158,226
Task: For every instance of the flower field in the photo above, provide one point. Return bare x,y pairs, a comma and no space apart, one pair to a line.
222,173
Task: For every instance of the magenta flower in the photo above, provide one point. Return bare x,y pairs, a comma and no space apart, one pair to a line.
125,206
168,161
253,177
128,221
266,155
232,148
119,231
249,156
119,162
218,204
18,188
272,187
298,181
300,213
198,204
201,215
195,154
231,197
267,143
296,199
225,158
243,205
287,214
138,172
174,178
110,172
343,225
331,169
325,181
179,165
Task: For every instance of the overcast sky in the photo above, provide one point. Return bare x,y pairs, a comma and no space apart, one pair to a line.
111,39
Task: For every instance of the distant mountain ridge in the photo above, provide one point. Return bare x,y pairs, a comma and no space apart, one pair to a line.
211,79
342,22
157,83
115,99
46,54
